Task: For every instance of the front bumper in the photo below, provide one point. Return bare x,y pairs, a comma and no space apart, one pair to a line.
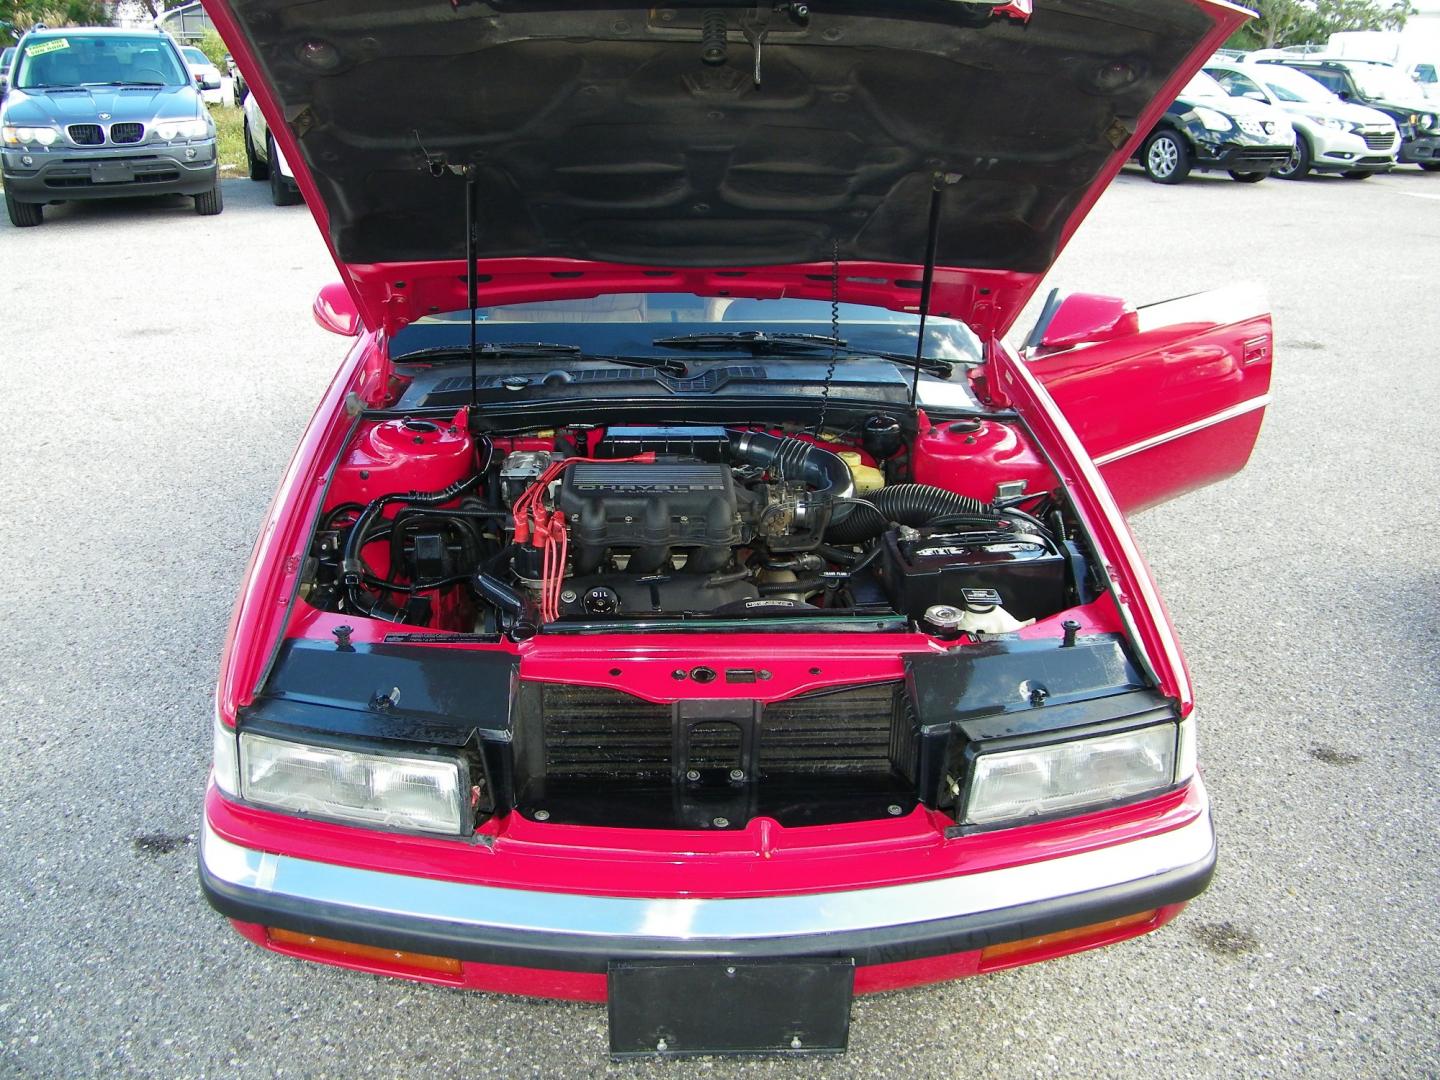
1348,151
69,173
1421,150
552,932
1242,155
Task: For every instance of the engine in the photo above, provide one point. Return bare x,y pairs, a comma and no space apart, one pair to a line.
684,521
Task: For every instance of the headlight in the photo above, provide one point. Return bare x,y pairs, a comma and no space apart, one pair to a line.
29,136
1213,121
1328,121
1014,785
428,794
167,130
1427,121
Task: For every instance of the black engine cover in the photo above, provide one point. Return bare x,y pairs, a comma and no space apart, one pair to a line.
649,511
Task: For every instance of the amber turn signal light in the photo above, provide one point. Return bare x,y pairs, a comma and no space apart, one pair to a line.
1055,944
443,964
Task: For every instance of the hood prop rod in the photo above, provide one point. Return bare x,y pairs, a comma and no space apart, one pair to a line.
472,282
939,182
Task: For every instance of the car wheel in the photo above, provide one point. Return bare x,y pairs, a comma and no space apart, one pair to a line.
1356,174
281,193
1298,167
210,202
1431,166
259,170
1166,158
1248,177
23,215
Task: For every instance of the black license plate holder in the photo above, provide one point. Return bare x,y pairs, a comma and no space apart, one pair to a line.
112,174
681,1008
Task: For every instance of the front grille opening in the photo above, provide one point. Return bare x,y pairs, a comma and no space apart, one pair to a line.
86,134
600,756
126,133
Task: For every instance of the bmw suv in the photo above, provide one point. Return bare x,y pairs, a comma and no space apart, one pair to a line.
96,113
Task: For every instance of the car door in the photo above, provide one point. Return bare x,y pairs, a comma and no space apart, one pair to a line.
1166,398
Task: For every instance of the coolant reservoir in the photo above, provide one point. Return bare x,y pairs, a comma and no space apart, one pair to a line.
867,478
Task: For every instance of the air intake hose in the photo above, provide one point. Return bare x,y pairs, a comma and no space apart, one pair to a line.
795,460
907,504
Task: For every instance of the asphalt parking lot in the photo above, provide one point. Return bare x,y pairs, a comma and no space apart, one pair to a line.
163,366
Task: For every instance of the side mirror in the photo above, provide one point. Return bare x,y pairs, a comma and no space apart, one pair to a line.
1343,95
1083,318
335,311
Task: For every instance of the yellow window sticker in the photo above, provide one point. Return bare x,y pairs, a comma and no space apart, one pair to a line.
43,47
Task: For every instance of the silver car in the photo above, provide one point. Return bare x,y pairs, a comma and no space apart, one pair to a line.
1331,135
100,114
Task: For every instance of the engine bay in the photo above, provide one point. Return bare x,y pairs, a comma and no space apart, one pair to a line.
953,529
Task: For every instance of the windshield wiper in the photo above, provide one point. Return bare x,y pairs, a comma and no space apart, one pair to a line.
760,343
756,341
531,350
126,82
510,350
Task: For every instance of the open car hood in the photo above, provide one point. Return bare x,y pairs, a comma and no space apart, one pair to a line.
608,147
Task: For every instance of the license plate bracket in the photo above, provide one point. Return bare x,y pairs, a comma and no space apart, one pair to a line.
682,1008
112,174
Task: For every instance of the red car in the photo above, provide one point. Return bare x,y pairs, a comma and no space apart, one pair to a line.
683,597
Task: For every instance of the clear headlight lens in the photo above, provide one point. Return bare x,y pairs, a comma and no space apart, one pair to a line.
1328,121
1013,785
29,136
1427,121
181,129
388,790
1213,121
226,760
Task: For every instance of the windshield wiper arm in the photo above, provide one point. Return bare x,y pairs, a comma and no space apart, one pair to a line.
126,82
758,342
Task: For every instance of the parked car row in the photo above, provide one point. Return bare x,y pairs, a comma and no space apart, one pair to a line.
1291,115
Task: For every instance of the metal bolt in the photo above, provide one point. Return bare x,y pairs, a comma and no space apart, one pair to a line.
542,815
568,596
894,810
737,774
692,775
730,971
721,823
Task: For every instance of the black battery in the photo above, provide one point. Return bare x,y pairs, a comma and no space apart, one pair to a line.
926,568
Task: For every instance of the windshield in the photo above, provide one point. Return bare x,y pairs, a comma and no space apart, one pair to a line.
6,57
91,61
194,55
628,323
1288,84
1203,86
1386,83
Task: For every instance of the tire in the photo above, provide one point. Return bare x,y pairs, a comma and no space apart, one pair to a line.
1431,166
1248,177
259,170
1356,174
281,193
1298,167
23,215
209,203
1166,158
